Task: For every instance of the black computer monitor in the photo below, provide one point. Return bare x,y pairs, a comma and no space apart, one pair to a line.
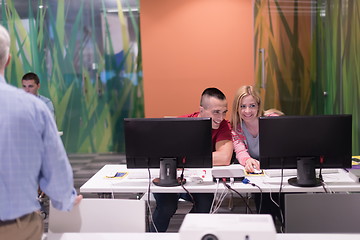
305,143
168,144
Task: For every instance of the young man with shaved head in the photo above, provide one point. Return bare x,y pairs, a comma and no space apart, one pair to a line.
213,104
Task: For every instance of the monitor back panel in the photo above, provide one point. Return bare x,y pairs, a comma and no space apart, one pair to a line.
147,140
283,139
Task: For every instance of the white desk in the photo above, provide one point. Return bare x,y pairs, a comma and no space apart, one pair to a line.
175,236
337,182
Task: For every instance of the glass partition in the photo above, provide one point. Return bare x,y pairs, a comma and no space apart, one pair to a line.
88,57
306,57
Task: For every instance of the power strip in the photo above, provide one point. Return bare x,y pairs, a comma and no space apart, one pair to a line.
227,174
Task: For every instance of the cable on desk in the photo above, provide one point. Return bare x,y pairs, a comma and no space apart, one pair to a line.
282,221
182,183
241,196
215,195
187,191
326,188
247,181
221,199
320,174
148,201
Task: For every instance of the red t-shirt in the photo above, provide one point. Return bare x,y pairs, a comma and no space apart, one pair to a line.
220,134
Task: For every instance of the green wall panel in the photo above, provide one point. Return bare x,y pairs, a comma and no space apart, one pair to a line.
88,57
311,57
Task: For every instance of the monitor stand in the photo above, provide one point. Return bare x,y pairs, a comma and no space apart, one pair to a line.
306,174
168,174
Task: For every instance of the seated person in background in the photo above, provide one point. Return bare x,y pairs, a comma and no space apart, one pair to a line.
272,112
244,122
212,104
31,84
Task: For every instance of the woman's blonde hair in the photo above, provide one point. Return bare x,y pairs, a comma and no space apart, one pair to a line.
239,95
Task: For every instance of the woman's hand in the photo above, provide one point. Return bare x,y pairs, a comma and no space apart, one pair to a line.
252,164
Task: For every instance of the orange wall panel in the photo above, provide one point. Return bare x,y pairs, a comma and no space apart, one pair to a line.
189,45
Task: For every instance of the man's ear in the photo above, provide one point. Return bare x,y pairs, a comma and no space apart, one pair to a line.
201,109
8,61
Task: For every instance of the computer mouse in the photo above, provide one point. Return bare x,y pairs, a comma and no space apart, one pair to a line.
257,171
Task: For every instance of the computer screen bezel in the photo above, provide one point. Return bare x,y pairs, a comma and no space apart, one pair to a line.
326,139
188,141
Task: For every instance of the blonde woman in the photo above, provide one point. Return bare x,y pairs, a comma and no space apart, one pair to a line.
244,122
247,109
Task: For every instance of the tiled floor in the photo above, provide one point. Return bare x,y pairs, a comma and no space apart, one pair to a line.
86,165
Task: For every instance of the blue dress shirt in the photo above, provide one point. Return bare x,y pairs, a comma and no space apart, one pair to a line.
31,155
48,103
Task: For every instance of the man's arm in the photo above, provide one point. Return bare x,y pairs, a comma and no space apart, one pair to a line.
55,164
223,153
